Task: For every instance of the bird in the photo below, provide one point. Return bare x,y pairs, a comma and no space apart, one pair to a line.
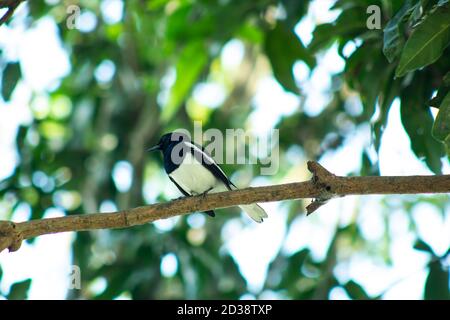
194,171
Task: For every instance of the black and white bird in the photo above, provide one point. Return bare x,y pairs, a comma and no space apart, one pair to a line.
195,172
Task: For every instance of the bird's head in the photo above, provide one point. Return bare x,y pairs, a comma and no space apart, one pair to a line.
169,139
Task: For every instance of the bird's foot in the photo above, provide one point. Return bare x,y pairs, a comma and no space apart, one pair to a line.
206,192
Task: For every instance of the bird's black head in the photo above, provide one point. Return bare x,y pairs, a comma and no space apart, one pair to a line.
169,139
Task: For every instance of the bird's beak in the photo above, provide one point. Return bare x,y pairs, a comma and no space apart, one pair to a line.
154,148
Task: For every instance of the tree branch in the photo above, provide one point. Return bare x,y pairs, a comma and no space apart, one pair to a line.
12,6
323,186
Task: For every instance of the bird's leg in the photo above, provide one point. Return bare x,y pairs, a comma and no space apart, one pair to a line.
206,192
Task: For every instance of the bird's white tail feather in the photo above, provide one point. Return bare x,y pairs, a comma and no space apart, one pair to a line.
255,212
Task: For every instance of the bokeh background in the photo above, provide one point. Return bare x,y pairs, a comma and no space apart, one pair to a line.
87,86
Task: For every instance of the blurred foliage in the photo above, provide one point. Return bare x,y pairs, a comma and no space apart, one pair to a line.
18,291
89,124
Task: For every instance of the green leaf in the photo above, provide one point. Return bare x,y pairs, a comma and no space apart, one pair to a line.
19,290
423,246
11,75
441,127
418,122
436,285
295,10
190,65
250,33
390,92
156,4
446,79
356,291
439,98
426,43
442,91
369,77
367,167
447,145
393,40
417,12
189,23
283,49
351,24
323,36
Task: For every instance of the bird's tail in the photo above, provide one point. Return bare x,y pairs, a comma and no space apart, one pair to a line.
255,212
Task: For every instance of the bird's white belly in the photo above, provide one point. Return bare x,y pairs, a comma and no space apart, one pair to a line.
193,177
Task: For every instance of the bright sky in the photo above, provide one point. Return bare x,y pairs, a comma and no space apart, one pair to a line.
44,62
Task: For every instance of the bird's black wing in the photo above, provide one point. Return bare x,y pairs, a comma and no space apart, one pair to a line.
209,212
208,162
179,188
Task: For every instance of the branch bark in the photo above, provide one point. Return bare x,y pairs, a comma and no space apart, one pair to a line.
323,186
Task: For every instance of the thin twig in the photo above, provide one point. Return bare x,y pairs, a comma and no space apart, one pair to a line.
12,6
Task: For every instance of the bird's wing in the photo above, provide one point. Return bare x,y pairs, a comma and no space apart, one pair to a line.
179,188
253,210
209,212
205,159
